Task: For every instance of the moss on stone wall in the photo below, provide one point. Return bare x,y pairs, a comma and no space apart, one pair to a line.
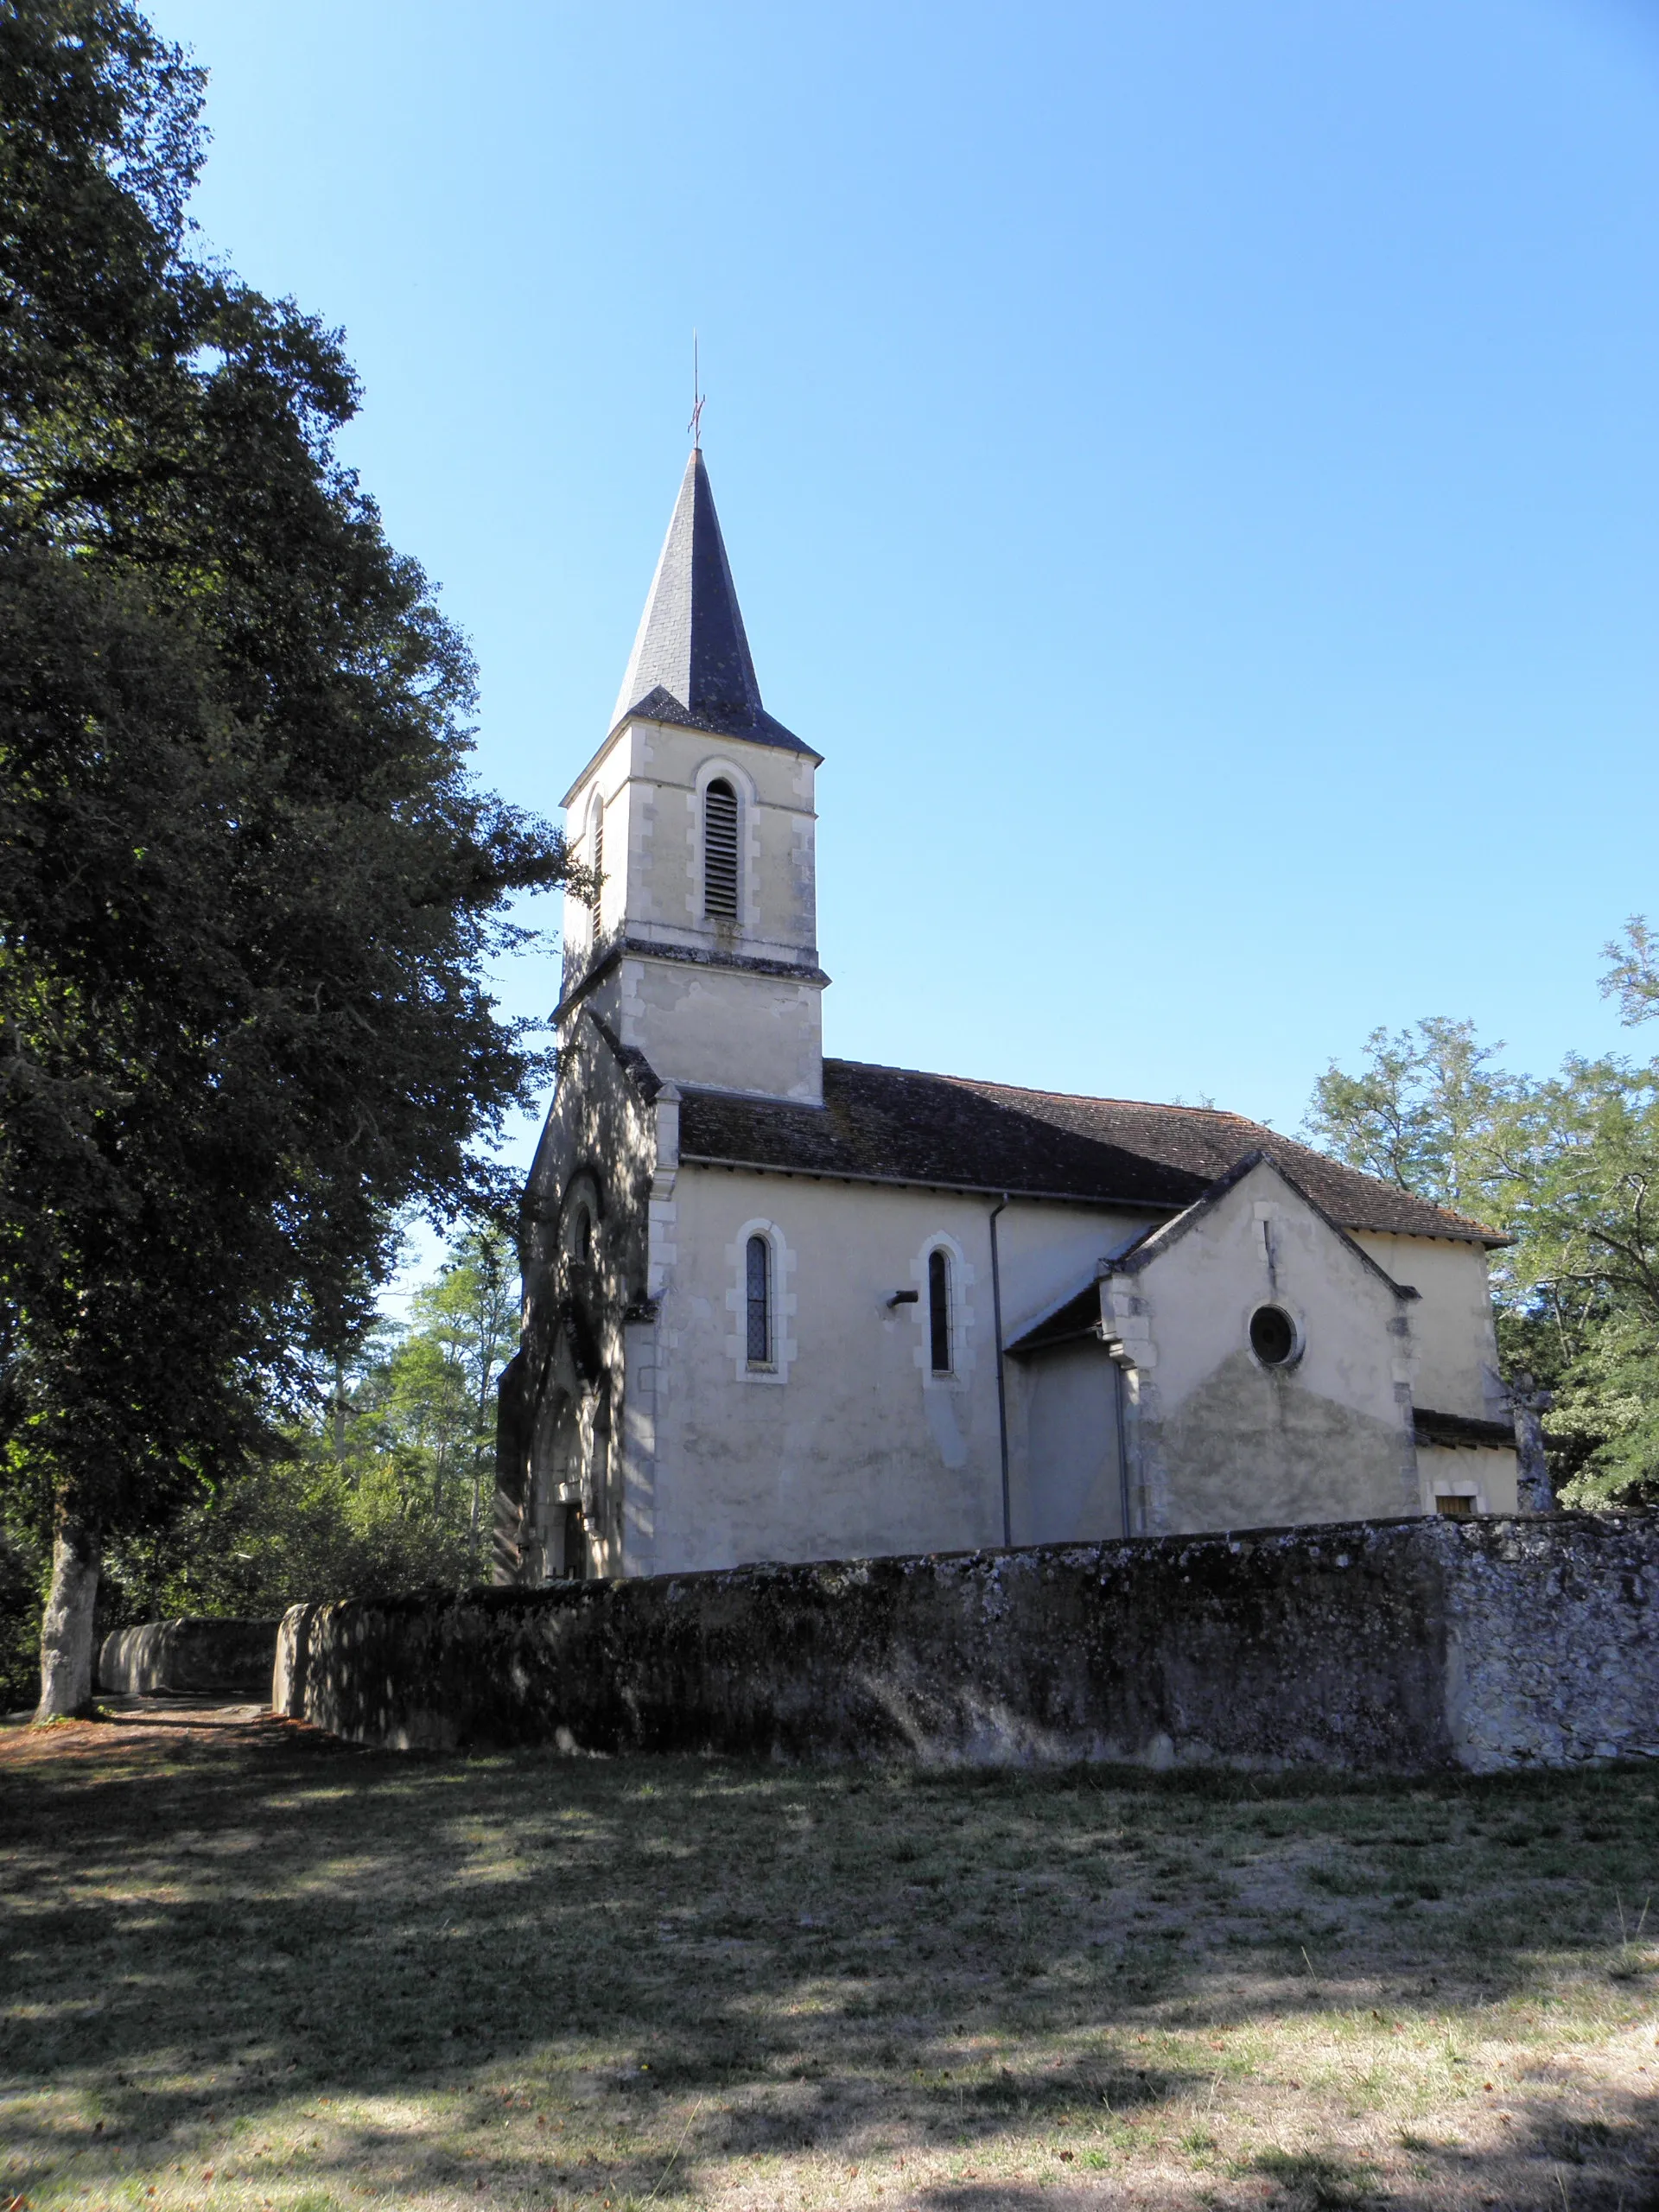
1407,1644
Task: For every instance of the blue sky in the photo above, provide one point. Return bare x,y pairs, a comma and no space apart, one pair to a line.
1191,467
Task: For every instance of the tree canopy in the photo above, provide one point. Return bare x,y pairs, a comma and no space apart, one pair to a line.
1568,1167
249,888
381,1484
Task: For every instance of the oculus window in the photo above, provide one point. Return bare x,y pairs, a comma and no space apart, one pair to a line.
1273,1336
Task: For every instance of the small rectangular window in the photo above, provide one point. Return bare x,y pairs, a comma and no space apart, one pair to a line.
1457,1509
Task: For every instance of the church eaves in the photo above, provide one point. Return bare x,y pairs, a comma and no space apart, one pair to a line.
898,1125
690,662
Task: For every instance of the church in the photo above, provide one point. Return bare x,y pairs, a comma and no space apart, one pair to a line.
782,1307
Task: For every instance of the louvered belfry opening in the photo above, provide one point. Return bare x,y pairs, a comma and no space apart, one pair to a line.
599,858
719,851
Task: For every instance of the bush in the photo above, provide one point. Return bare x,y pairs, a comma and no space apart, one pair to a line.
23,1565
292,1531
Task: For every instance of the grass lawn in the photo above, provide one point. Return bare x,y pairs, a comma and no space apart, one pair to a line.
245,1967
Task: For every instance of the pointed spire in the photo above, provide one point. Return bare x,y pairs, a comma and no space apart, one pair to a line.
690,661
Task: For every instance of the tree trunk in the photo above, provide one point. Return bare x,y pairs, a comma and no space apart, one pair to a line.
1531,1405
67,1625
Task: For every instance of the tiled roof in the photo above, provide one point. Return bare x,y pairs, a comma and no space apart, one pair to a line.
898,1125
690,662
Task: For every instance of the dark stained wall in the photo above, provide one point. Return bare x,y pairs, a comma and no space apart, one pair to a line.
193,1654
1409,1644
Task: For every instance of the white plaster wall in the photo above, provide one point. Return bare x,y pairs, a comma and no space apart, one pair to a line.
1069,1487
861,1449
652,775
724,1027
625,804
639,1462
1221,1441
858,1451
720,1024
1049,1250
1452,1326
1490,1475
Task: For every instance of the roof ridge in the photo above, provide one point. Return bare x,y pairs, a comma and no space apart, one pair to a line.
888,1124
1030,1090
1219,1118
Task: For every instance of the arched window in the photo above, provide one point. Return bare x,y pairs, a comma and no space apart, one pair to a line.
580,1215
596,828
760,1304
938,1310
719,851
758,1301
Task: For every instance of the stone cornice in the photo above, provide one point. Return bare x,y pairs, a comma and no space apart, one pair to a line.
629,948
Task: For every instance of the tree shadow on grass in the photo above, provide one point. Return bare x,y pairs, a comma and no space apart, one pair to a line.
1556,2162
258,1924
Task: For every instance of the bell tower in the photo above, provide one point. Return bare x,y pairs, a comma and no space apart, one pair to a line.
701,949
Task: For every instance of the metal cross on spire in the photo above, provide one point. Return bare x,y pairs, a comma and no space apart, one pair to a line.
696,424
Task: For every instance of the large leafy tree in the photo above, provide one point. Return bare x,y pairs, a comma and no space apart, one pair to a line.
378,1486
247,888
1419,1113
1569,1167
429,1403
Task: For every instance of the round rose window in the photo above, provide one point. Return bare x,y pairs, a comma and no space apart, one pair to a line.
1273,1335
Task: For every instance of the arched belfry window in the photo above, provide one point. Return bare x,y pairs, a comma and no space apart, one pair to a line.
596,823
938,1310
758,1300
719,851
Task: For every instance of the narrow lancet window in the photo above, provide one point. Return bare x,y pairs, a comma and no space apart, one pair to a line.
938,1310
759,1302
597,856
719,851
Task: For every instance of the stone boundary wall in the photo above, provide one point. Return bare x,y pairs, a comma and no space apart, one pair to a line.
1402,1645
190,1654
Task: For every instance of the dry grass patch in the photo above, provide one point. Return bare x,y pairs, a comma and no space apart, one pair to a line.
246,1969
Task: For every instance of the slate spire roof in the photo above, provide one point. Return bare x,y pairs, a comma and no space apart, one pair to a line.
690,662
